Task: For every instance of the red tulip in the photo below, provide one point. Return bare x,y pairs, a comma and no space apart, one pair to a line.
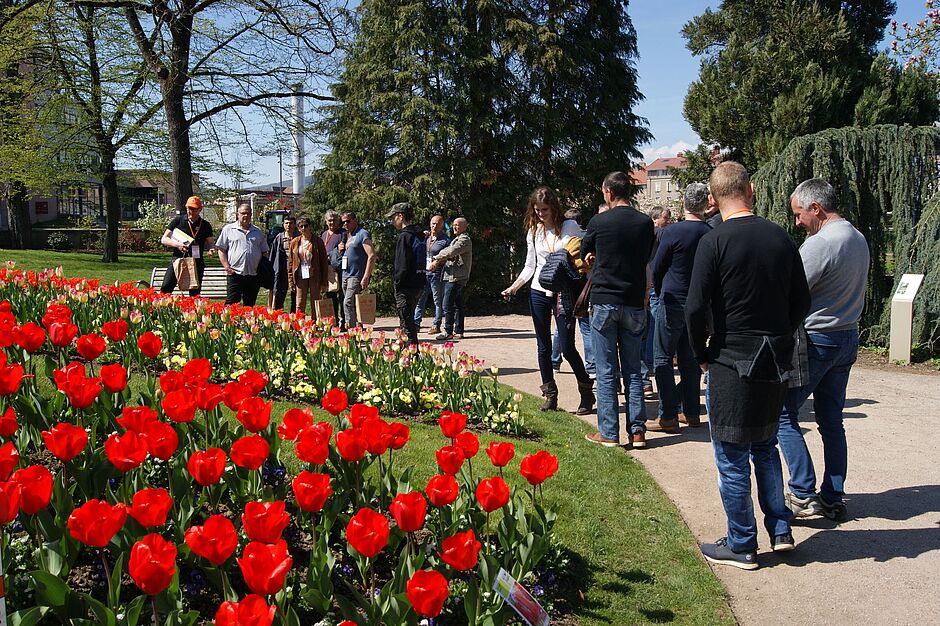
11,375
335,401
398,435
409,510
449,459
30,336
172,380
500,453
359,413
137,418
8,424
208,395
198,370
294,421
265,566
152,564
90,346
9,458
206,467
367,532
351,444
265,521
311,490
254,380
125,451
66,441
72,372
313,443
250,452
442,490
468,444
492,494
253,610
96,522
149,345
461,551
114,377
61,334
179,405
82,392
233,393
452,423
9,501
535,468
161,439
375,432
150,507
254,414
115,330
56,313
214,541
35,484
427,592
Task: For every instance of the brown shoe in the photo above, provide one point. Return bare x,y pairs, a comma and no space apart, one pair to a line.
694,423
598,439
638,440
664,426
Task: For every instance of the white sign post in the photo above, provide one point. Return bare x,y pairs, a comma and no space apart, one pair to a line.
902,317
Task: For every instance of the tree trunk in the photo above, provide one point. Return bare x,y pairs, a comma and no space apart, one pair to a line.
112,206
21,230
181,156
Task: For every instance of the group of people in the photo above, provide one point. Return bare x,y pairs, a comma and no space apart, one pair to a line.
723,293
337,264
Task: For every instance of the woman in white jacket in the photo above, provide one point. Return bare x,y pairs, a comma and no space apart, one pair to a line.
549,232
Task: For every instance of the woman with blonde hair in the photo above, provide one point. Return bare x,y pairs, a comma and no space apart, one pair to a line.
307,265
547,232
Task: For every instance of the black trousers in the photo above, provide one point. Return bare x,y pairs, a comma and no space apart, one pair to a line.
244,289
406,299
336,297
169,279
281,296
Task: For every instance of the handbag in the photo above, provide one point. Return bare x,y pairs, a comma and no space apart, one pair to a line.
332,279
582,306
323,308
187,278
265,273
365,308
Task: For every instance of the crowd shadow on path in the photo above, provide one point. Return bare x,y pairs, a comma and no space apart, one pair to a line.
499,333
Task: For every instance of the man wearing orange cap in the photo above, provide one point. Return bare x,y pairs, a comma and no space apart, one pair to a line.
195,241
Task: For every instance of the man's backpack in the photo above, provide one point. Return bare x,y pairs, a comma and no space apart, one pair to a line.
420,252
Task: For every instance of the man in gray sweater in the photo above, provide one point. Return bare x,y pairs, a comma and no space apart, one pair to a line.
835,259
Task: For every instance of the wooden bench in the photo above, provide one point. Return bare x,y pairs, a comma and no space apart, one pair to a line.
213,282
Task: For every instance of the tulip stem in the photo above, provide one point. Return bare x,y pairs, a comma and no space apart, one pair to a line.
107,571
156,614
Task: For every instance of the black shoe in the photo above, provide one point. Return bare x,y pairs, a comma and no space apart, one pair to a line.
835,511
720,554
782,543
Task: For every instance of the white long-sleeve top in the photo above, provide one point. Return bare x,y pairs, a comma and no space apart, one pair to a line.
541,243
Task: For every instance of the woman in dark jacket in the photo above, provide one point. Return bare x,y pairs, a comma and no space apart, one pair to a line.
278,255
306,265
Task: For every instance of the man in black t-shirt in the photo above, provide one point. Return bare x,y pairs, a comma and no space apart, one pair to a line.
188,235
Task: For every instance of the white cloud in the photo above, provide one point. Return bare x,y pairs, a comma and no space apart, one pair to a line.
651,153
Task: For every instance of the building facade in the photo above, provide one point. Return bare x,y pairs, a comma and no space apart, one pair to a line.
656,184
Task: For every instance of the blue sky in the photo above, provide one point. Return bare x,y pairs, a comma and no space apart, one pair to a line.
665,70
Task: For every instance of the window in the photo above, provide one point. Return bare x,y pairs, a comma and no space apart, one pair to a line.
659,186
669,185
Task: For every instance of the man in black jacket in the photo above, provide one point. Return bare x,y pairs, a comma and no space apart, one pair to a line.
408,279
748,278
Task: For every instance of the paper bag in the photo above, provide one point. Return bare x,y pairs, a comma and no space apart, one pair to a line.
186,276
332,279
323,308
365,308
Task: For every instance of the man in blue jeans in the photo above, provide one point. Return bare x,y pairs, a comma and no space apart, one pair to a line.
835,258
618,243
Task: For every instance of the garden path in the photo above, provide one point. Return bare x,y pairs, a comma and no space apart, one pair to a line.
878,568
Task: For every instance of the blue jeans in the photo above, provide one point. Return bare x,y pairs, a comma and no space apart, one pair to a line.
734,486
434,285
647,365
584,325
453,307
543,307
831,356
617,333
671,338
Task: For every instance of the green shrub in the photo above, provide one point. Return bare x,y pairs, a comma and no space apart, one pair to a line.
58,241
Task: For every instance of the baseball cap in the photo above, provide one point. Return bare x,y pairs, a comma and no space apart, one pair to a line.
194,202
401,207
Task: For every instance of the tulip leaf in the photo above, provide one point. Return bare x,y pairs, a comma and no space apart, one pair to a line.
28,617
104,616
50,589
114,592
51,558
134,608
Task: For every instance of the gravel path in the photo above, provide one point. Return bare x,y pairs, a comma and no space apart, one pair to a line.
880,567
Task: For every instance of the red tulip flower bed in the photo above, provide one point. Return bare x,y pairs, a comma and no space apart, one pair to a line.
159,492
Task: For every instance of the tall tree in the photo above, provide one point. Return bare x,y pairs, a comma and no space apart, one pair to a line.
772,70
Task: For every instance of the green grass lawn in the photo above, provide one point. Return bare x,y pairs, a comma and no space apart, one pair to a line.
632,559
